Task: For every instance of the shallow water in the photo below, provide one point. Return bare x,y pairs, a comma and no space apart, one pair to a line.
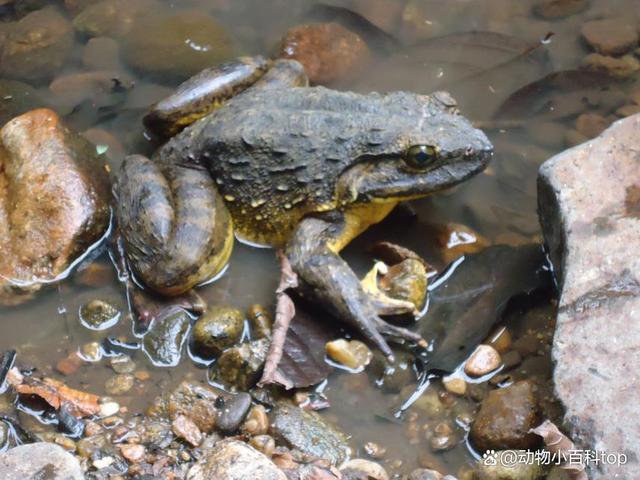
500,203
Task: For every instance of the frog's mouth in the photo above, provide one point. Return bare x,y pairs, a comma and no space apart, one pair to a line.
388,179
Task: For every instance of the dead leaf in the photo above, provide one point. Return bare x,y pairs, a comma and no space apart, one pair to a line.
559,444
57,394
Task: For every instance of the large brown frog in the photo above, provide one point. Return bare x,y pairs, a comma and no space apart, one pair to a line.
303,169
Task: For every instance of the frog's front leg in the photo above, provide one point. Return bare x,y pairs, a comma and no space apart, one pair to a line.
329,279
176,229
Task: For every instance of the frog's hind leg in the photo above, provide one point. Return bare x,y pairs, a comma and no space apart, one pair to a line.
328,278
177,231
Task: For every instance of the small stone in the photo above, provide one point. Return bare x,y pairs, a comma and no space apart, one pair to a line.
425,474
265,444
591,124
350,353
619,67
112,18
611,36
164,341
628,110
374,450
107,409
234,460
218,329
119,384
99,315
122,364
142,375
485,359
69,365
328,51
233,412
240,367
134,453
257,421
455,385
506,417
364,469
184,428
91,352
500,339
552,9
456,240
443,437
504,469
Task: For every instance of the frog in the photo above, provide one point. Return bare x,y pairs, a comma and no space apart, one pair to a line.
263,157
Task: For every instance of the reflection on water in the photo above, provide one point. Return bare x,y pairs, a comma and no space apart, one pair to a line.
481,69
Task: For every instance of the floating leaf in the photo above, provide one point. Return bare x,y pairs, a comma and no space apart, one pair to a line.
557,95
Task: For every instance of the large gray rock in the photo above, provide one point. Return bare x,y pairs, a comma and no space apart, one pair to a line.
589,204
234,460
39,461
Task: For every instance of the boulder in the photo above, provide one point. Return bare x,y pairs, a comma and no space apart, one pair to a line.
234,460
589,205
53,201
39,460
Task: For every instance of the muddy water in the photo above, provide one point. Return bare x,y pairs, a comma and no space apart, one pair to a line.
500,204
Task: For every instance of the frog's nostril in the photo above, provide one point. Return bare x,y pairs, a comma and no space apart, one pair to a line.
468,151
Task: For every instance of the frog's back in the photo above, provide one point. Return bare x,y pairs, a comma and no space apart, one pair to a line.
276,155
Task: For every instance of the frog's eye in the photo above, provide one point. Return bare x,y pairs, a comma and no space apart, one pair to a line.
420,157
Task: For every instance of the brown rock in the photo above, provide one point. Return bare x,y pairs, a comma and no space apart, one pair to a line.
591,124
328,51
74,6
53,200
234,460
485,359
37,46
134,453
593,242
69,365
361,468
612,36
196,402
184,428
619,67
551,9
505,418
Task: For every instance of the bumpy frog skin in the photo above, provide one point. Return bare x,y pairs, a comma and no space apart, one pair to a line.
303,169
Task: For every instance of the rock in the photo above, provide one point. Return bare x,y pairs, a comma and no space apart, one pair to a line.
257,421
350,353
234,460
264,444
134,453
593,241
195,401
240,367
573,137
119,384
99,315
164,341
484,360
309,433
500,339
611,36
619,67
328,51
37,46
503,467
261,322
17,98
505,418
366,469
551,9
443,437
39,460
54,202
233,412
176,47
112,18
425,474
122,364
591,124
101,53
218,329
186,429
456,240
455,385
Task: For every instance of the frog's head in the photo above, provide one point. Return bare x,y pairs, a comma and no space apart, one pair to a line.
421,154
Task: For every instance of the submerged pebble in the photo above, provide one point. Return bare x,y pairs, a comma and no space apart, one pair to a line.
611,36
233,411
164,340
485,359
119,384
219,328
99,315
360,468
240,367
350,353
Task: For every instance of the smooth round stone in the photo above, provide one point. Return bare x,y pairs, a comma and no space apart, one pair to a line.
233,413
485,359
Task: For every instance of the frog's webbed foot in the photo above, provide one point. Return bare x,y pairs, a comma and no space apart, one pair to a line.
328,278
176,230
383,303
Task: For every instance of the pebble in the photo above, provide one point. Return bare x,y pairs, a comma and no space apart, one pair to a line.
374,450
455,385
500,339
328,51
485,359
99,315
257,421
234,411
611,36
91,352
134,453
219,328
261,321
365,469
591,124
119,384
442,437
552,9
101,53
184,428
425,474
265,444
107,409
619,67
456,240
350,353
122,364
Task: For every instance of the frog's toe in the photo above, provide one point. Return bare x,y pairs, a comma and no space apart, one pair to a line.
387,329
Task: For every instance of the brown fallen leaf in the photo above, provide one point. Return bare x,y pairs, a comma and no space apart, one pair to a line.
559,444
57,394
